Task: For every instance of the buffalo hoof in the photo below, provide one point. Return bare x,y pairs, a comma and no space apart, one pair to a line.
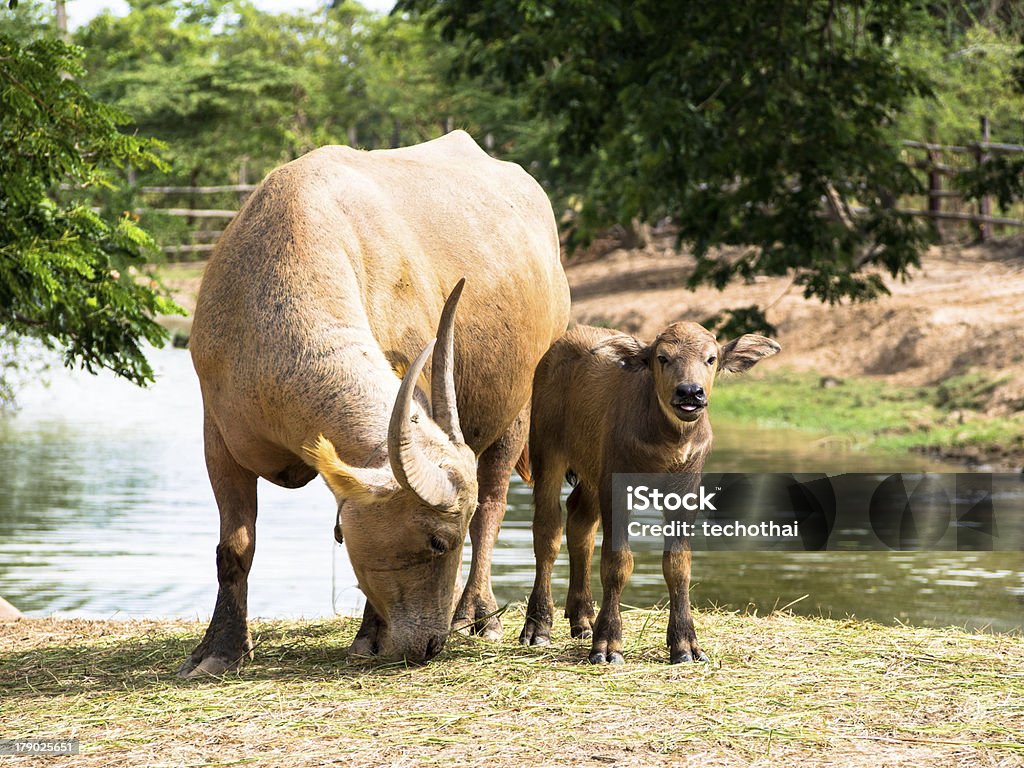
581,633
613,657
477,616
363,646
487,629
214,666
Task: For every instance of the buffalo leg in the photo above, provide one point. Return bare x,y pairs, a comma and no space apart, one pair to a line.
616,567
583,519
227,640
477,610
547,540
367,639
682,636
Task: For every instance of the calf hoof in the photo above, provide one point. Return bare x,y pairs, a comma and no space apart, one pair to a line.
535,633
612,657
682,657
214,666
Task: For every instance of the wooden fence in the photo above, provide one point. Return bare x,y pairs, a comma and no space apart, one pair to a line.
202,237
945,161
938,161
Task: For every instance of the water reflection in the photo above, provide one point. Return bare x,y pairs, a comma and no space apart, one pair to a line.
105,510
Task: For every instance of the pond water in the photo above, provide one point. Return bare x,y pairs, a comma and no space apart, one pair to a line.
106,512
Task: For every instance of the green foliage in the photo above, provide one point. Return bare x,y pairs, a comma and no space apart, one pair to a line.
736,119
166,71
973,74
731,323
224,83
31,20
1000,175
64,268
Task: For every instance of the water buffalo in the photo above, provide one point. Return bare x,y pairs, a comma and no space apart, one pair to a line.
604,402
327,288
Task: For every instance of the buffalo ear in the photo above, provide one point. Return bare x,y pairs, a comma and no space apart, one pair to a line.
345,481
743,353
626,350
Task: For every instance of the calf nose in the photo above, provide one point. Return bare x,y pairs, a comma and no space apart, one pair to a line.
694,392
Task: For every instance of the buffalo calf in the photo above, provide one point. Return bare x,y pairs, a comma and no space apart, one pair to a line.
604,402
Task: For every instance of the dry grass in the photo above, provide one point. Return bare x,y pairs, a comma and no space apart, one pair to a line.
781,690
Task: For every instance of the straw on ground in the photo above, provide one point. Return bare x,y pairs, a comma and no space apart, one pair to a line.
780,690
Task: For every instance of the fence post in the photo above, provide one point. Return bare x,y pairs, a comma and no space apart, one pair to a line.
985,202
935,189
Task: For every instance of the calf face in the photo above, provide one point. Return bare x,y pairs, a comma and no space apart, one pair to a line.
684,360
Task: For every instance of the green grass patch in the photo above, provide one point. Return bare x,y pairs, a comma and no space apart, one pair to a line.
779,688
942,419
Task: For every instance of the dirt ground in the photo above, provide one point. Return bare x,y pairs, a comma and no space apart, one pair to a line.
962,311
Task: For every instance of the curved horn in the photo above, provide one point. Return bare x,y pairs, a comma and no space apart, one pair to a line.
442,370
413,470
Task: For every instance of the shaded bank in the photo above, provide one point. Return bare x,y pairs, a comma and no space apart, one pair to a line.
780,690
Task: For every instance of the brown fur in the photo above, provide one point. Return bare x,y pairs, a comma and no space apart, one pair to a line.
604,402
331,278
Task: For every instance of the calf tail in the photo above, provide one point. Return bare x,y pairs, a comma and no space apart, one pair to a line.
523,465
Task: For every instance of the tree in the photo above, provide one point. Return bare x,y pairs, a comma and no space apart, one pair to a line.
219,82
759,124
973,74
66,270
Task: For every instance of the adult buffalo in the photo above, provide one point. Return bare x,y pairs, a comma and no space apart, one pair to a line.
326,288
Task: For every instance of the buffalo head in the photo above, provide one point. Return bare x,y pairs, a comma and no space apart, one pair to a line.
404,523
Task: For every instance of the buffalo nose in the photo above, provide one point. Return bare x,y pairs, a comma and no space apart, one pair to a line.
693,392
434,646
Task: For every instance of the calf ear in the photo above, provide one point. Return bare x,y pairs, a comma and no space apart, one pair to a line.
626,350
740,354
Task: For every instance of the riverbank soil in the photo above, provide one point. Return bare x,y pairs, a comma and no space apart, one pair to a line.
779,690
962,310
951,337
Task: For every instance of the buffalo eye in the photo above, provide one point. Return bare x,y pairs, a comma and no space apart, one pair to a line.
439,545
712,360
662,359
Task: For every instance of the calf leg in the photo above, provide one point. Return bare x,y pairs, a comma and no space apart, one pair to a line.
477,609
682,637
616,567
227,640
583,519
547,540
